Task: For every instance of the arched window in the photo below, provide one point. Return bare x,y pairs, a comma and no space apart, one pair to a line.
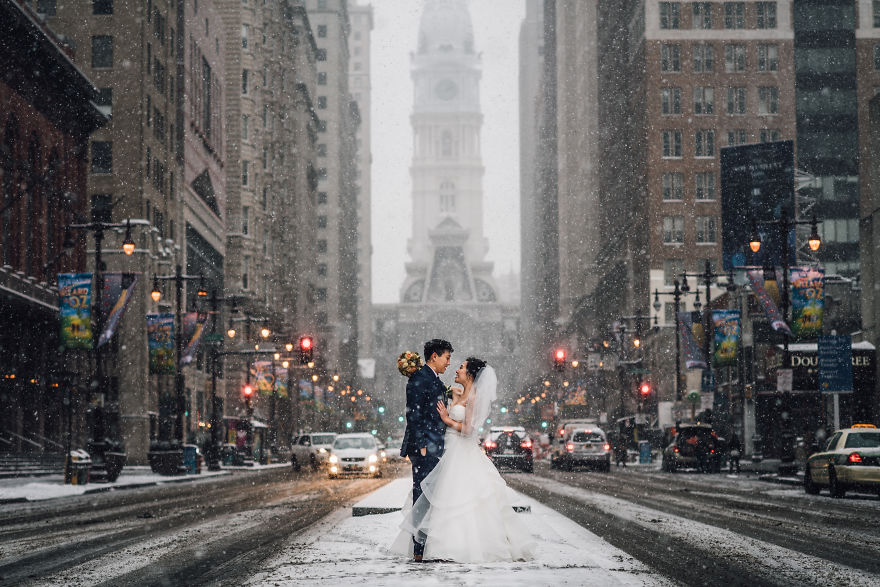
447,197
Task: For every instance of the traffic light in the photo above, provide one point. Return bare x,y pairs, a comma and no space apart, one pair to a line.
645,389
381,409
559,359
305,349
247,391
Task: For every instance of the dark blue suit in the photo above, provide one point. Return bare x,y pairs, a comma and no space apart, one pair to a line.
424,429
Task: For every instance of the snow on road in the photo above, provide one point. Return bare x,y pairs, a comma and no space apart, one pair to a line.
345,550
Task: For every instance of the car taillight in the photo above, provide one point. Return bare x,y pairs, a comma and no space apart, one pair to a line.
490,444
675,449
855,458
606,447
526,444
569,447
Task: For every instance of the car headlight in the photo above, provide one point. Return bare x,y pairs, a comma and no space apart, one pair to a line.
373,458
334,459
322,450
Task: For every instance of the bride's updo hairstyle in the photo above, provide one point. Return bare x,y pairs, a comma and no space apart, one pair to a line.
474,366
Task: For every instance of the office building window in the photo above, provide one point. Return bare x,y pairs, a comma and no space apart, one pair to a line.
321,294
768,100
704,143
704,100
736,137
102,157
670,100
766,15
736,100
245,272
322,222
322,4
734,15
244,126
102,51
702,12
322,102
673,229
322,126
768,57
734,58
705,186
322,31
47,7
704,58
322,78
670,57
769,135
670,15
244,81
322,197
102,7
322,269
706,229
322,150
321,55
672,270
877,57
673,186
245,220
671,143
322,245
245,175
245,33
876,8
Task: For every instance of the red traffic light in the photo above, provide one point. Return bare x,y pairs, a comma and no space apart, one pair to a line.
645,388
560,355
247,390
305,343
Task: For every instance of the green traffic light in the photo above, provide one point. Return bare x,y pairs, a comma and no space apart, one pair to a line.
503,410
348,424
400,418
543,424
381,409
374,432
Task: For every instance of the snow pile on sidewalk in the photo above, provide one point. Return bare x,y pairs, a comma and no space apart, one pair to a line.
343,549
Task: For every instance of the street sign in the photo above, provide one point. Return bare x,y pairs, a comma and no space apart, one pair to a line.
784,379
639,371
212,337
835,364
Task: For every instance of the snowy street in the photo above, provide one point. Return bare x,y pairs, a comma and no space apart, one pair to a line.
634,526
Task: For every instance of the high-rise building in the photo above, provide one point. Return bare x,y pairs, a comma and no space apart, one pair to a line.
360,86
337,241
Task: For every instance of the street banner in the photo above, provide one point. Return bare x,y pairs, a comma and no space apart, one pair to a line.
75,304
281,381
757,183
305,389
807,301
727,335
264,376
693,352
118,288
193,332
835,364
160,341
756,278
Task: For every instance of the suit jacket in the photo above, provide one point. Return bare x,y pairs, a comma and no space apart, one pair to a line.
424,427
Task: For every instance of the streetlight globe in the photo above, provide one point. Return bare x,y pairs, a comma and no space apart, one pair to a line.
336,377
637,342
285,364
230,332
314,377
277,356
128,243
288,347
265,332
546,383
310,364
755,244
156,295
814,243
565,384
575,364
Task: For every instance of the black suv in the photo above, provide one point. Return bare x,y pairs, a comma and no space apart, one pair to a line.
509,447
694,446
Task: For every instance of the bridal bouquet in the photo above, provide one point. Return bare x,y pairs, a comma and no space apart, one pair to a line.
408,363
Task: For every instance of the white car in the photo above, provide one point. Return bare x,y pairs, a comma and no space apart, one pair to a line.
851,460
355,454
311,449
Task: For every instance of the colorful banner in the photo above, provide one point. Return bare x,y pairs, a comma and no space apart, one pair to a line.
756,278
281,381
690,329
264,377
727,336
118,288
807,301
193,332
75,303
160,341
305,388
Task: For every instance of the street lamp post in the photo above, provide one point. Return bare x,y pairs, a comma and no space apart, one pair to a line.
170,462
108,455
676,294
249,406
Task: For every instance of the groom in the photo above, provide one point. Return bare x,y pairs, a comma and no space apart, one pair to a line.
423,438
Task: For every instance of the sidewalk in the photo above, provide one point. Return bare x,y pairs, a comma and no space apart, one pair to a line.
347,549
22,489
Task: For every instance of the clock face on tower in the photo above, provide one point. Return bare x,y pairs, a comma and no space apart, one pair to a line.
446,89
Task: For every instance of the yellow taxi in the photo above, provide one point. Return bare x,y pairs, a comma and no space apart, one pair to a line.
851,460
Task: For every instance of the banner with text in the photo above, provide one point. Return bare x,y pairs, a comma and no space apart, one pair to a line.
690,329
756,278
160,341
727,335
75,304
807,301
118,288
193,331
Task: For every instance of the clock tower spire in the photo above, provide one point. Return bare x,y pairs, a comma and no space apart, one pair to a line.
447,248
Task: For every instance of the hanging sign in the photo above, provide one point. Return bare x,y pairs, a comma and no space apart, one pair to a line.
75,304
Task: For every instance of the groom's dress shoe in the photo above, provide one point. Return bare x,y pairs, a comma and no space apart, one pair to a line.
417,558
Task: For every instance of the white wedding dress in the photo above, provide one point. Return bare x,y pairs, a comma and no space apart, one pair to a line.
464,513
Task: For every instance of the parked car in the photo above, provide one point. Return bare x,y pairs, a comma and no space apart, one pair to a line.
586,446
851,460
510,447
355,454
694,446
311,449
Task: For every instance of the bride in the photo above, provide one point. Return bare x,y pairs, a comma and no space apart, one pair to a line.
464,513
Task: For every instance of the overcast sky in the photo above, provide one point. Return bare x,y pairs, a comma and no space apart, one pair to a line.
496,32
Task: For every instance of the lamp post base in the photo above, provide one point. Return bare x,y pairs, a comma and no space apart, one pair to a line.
166,458
107,461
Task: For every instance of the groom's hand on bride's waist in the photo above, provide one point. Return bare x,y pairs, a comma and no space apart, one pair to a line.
424,451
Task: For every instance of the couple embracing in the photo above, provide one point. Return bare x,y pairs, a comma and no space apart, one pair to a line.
460,510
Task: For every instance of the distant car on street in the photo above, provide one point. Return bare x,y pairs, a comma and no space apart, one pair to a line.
586,446
355,454
851,460
311,449
694,446
561,432
510,446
